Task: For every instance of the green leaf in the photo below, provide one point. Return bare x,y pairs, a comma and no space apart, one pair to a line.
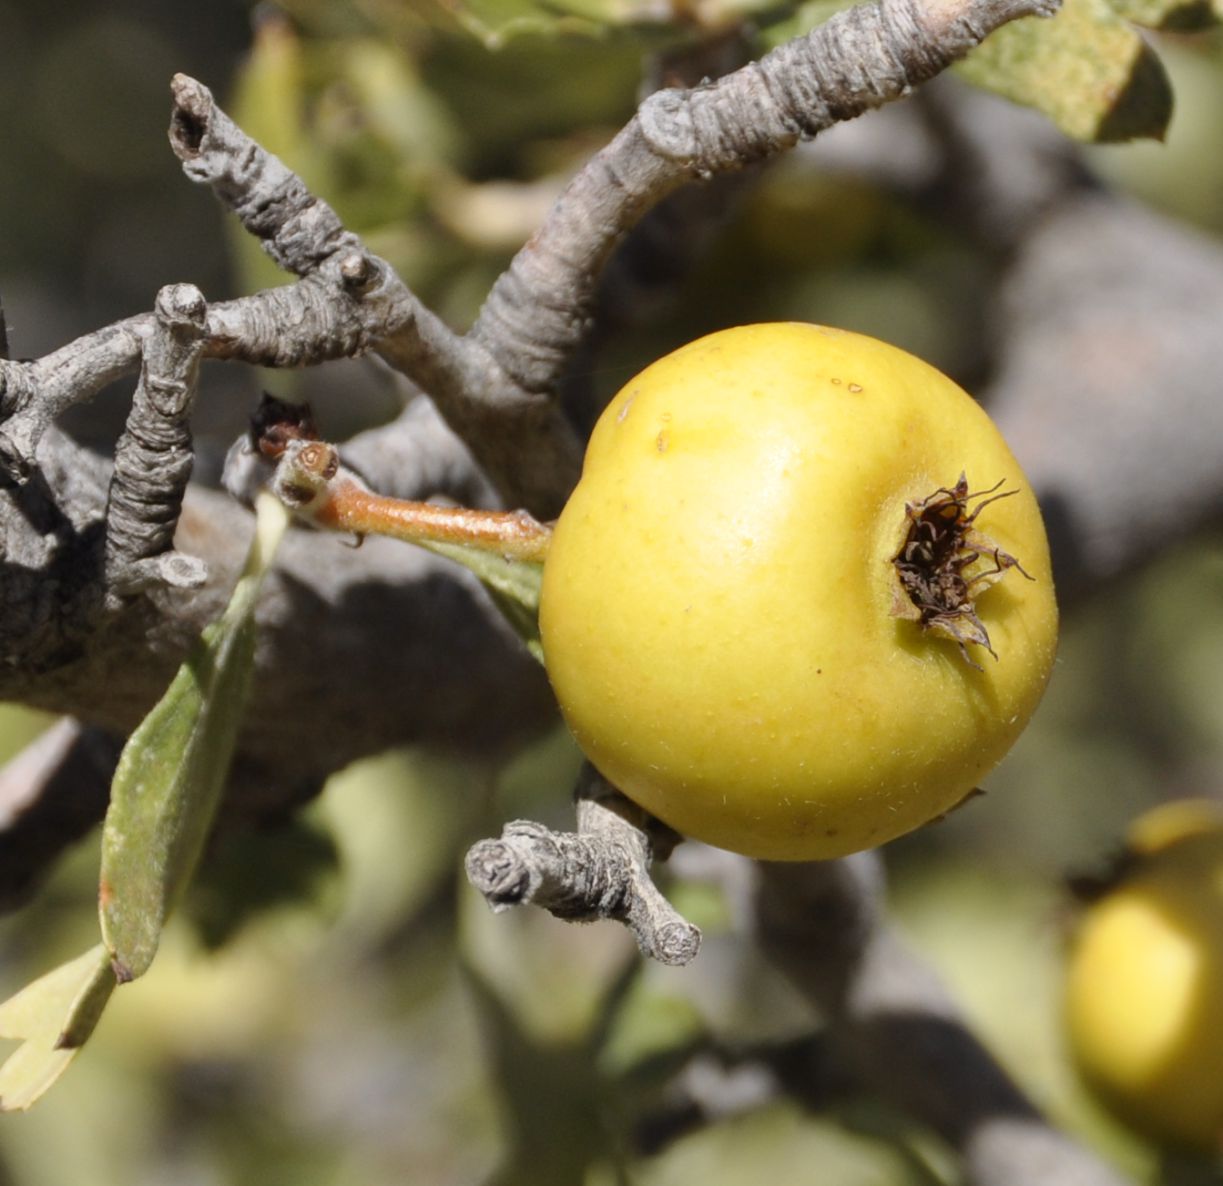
173,768
513,584
1085,68
268,102
493,22
496,21
782,25
52,1018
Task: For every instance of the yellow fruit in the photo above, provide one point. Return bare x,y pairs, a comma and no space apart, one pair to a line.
722,617
1144,993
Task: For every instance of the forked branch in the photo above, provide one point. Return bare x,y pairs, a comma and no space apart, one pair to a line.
601,871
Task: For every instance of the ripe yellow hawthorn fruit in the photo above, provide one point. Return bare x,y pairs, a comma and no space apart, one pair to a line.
724,619
1144,988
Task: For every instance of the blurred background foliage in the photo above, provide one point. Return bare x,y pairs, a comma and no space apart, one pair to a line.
336,1006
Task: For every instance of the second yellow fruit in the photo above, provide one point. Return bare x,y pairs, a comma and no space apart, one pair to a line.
1144,990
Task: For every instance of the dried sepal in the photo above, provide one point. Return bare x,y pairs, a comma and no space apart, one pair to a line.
275,423
941,545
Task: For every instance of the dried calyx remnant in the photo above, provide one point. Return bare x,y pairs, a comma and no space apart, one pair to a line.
941,545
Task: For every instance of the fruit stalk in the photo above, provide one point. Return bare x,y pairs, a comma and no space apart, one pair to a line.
311,480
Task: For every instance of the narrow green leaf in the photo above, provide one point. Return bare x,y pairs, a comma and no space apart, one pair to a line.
52,1018
173,768
1085,68
513,584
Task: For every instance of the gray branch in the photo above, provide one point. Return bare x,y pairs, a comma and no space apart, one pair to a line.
498,385
540,309
299,231
33,394
501,424
51,794
599,872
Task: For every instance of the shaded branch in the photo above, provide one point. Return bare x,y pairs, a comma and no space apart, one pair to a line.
898,1028
51,794
328,688
720,1081
1107,386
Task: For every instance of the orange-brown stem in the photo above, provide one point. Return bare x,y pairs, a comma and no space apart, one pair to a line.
312,481
513,534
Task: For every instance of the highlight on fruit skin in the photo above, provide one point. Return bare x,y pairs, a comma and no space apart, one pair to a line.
800,601
1144,981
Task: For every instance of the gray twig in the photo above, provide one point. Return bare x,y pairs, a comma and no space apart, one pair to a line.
153,458
299,231
599,872
353,301
34,393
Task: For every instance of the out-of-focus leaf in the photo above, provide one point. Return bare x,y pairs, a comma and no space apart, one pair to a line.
496,21
513,584
269,103
1182,15
781,25
269,90
52,1018
173,768
1085,68
383,137
394,104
